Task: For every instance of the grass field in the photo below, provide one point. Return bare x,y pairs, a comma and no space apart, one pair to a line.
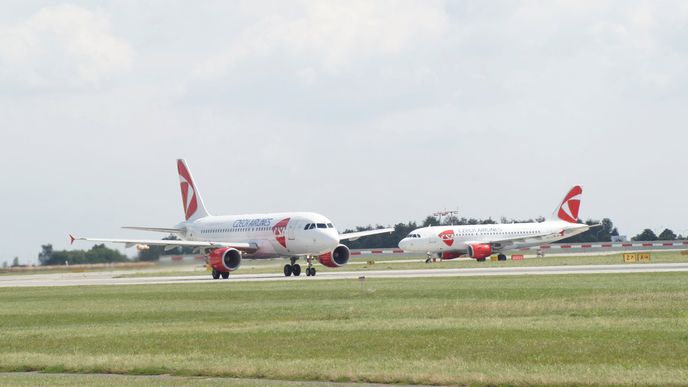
382,263
603,329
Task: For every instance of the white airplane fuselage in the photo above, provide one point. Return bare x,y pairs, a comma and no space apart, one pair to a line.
439,239
274,234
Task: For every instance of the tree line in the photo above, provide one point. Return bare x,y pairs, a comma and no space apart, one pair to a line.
97,254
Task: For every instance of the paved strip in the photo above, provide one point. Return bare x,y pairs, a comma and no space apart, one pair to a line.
80,279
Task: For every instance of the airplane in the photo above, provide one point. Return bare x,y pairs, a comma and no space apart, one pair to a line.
226,240
481,241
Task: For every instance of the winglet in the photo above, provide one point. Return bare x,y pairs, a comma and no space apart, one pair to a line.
71,239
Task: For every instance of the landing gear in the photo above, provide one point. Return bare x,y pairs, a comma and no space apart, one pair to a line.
218,274
295,269
501,257
310,270
481,259
292,268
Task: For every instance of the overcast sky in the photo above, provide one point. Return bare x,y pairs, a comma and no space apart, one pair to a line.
369,112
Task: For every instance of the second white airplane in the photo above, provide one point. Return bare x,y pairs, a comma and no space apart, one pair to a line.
481,241
226,240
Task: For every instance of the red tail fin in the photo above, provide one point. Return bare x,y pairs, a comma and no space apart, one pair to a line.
191,198
569,207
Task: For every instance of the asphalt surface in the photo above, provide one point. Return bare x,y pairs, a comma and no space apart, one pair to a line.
108,278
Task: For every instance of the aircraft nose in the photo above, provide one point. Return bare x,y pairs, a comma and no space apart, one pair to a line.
329,239
403,244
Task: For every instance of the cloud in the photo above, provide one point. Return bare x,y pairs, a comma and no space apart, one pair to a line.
62,46
332,36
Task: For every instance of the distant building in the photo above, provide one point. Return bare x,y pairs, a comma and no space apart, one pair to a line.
619,238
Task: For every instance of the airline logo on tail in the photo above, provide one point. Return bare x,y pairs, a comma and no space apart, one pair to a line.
189,200
568,210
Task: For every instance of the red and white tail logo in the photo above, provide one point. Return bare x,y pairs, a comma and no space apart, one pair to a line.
191,198
568,209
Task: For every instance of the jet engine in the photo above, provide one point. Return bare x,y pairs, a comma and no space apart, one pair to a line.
479,251
335,258
225,259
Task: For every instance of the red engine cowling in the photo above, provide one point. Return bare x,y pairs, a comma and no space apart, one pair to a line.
225,260
479,251
335,258
450,255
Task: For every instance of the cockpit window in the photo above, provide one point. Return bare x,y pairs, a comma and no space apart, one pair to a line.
307,226
413,236
312,226
322,225
329,225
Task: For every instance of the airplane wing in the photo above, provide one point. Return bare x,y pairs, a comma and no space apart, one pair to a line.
170,230
170,244
352,236
521,239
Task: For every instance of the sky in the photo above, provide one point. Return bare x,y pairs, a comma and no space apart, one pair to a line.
369,112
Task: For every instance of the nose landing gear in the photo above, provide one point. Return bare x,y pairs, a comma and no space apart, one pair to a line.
310,270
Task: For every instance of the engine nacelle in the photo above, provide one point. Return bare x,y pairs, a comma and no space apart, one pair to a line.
335,258
450,255
479,251
225,260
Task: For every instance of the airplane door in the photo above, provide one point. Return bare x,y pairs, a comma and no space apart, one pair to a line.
291,228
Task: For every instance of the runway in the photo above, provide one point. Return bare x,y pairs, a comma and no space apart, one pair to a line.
108,278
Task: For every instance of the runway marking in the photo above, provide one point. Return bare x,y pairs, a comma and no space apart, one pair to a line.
101,278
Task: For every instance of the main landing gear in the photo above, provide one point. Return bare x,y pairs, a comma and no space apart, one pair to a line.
218,274
295,269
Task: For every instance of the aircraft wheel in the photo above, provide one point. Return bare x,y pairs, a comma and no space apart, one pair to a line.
216,274
296,269
287,270
308,272
225,275
501,257
481,259
312,272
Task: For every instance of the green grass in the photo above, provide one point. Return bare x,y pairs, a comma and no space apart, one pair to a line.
46,379
381,263
603,329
